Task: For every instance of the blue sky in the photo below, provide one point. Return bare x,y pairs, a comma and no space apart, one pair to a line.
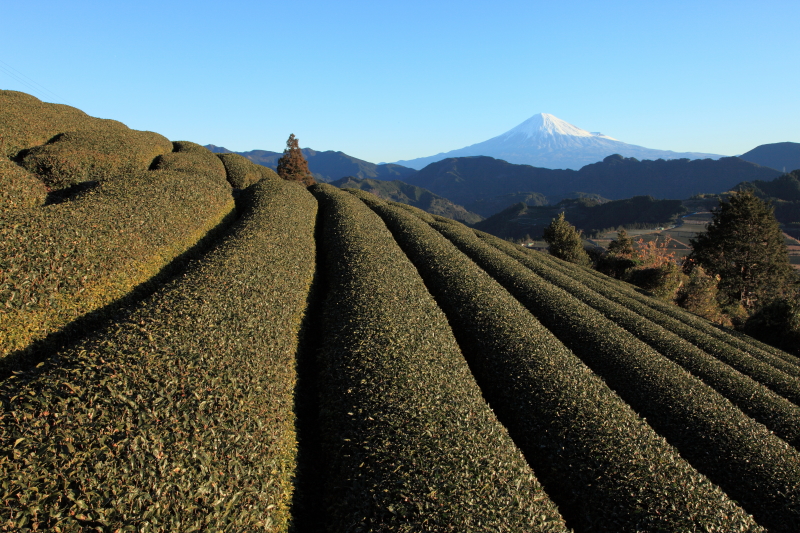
390,80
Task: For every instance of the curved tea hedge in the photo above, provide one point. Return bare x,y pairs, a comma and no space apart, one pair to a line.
409,442
749,462
18,187
774,411
167,420
692,329
602,464
242,172
61,261
94,155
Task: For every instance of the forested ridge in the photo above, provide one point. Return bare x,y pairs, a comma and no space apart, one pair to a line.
314,359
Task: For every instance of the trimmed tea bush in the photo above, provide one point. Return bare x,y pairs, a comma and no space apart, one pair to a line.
772,410
61,261
409,443
191,158
784,384
94,155
602,464
18,187
242,172
179,417
755,467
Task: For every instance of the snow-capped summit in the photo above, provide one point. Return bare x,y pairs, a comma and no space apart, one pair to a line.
547,141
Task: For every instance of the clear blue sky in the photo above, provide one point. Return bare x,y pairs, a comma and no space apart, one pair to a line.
388,80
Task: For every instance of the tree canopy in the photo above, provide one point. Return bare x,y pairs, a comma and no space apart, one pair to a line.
293,166
565,241
745,247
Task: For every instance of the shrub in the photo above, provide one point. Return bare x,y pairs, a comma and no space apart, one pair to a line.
242,172
61,261
167,420
18,187
409,443
777,323
602,464
192,158
93,155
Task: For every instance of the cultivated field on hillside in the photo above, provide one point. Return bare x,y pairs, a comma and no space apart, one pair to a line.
323,360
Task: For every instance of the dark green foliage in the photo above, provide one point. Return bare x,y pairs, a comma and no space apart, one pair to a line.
662,281
565,242
588,214
398,191
410,444
777,323
61,261
751,464
18,187
758,401
700,295
242,172
745,246
602,464
622,245
777,370
293,166
169,420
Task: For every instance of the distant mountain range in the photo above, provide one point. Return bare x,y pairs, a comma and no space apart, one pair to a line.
398,191
548,142
780,156
466,180
328,165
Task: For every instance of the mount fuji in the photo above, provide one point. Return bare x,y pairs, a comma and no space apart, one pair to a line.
549,142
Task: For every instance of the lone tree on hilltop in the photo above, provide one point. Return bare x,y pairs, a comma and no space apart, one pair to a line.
292,165
745,247
622,245
565,241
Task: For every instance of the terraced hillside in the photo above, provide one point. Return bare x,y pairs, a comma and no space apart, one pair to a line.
323,360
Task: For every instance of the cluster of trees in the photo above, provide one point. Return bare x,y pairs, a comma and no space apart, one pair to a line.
738,273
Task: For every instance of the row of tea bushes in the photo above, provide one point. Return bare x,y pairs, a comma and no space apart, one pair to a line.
770,372
61,261
242,172
179,417
779,359
97,154
755,467
18,187
409,443
777,413
601,463
25,122
193,159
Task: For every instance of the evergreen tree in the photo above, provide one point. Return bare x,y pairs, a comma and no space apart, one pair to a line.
745,247
622,246
293,166
565,241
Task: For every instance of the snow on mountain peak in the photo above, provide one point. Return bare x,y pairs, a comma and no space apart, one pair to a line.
543,124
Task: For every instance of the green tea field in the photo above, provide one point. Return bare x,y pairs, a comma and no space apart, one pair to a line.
190,343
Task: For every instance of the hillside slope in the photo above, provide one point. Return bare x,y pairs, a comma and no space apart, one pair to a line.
398,191
327,362
780,156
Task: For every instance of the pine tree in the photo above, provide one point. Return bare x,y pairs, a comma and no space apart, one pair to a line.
293,166
745,247
565,241
622,246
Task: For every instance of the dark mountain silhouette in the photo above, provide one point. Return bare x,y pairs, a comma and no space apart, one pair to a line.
328,165
780,156
398,191
465,180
